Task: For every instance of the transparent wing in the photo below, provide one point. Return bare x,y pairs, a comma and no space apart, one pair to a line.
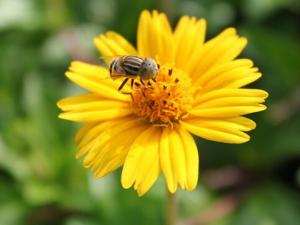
107,59
106,62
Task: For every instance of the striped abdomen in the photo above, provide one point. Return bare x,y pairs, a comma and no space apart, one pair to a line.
132,65
126,66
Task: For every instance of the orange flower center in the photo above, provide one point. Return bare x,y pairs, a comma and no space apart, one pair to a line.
166,99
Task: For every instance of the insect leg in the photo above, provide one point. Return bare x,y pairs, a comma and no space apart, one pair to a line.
142,81
128,93
131,84
123,83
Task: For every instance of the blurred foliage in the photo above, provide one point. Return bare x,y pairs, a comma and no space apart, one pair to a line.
40,180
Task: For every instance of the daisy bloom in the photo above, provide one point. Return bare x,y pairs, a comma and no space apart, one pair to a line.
199,89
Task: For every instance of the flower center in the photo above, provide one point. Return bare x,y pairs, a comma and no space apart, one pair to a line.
166,99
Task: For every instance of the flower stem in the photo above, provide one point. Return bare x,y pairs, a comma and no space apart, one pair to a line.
171,209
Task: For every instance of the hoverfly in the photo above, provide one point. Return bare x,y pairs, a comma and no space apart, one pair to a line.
131,67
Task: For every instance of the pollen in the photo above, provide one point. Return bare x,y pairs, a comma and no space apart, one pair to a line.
164,100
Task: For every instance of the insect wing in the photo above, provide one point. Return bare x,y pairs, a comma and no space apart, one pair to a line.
109,59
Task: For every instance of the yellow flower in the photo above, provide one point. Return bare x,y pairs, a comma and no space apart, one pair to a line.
199,89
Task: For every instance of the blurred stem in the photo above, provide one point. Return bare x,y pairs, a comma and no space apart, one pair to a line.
171,209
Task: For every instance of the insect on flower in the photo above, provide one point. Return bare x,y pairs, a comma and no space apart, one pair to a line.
200,88
131,67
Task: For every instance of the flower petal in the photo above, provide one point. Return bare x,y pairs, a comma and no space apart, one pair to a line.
89,102
155,38
221,112
114,153
106,144
178,159
191,158
166,162
87,136
233,74
113,44
90,133
188,36
222,130
228,102
230,92
95,72
95,79
88,108
141,166
223,48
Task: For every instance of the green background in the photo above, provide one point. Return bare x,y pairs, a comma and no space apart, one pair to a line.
41,182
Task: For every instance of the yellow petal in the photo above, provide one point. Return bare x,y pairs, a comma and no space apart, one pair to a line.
82,131
115,151
149,169
97,115
143,33
178,159
94,72
217,130
232,78
236,123
224,93
192,64
228,103
223,48
188,36
96,79
166,162
233,74
150,178
122,42
191,158
104,139
89,102
229,111
142,165
113,44
87,136
155,38
221,69
97,87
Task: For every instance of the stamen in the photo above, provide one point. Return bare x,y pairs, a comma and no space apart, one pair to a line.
165,100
